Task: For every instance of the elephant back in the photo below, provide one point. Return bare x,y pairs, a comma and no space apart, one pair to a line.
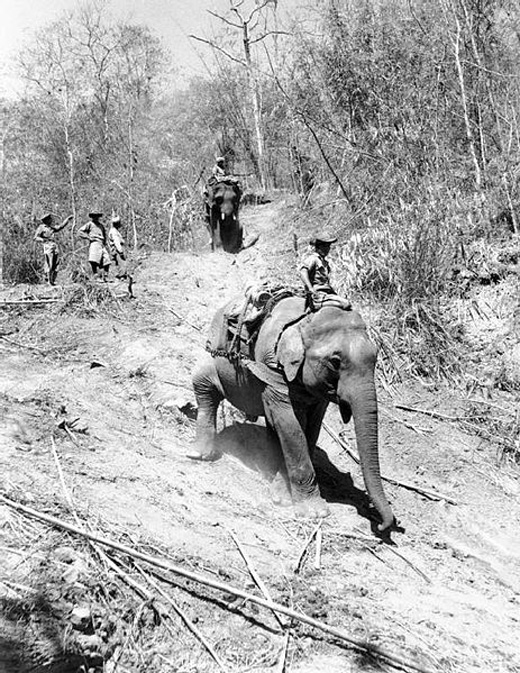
235,327
214,185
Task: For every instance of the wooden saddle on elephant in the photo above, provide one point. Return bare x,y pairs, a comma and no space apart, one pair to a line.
234,331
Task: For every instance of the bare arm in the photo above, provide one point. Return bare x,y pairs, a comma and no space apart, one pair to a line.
304,275
64,223
84,231
38,236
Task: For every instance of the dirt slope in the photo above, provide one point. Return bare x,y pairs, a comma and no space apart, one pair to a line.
445,594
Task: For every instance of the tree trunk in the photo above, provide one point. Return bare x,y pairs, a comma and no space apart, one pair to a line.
72,183
131,176
257,108
467,121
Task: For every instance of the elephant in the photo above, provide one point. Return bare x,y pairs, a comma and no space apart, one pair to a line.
222,203
302,361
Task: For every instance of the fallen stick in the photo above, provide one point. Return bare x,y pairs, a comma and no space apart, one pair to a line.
180,317
418,430
369,648
308,541
256,577
17,343
412,566
191,626
64,488
428,412
396,482
280,666
317,555
141,591
28,302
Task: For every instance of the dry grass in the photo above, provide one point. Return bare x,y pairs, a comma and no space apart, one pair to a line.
88,298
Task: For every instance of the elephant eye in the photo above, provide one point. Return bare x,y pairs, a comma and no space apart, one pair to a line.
335,363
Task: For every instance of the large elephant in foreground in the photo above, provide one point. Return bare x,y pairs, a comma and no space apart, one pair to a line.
222,204
302,361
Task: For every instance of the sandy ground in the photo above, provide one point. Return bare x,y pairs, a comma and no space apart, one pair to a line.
444,594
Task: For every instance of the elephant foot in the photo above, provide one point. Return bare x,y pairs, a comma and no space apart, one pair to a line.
311,508
204,456
280,492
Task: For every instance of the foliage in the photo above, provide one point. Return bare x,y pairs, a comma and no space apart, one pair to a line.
396,123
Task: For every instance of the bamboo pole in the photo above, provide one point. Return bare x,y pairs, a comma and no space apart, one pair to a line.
396,482
28,302
370,649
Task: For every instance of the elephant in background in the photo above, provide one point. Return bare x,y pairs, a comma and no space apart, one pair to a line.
222,201
302,362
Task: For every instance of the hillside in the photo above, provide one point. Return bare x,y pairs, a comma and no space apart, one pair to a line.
97,410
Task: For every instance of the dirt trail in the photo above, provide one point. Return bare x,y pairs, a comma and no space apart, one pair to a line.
446,592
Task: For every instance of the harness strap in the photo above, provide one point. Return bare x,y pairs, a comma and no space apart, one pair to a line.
292,322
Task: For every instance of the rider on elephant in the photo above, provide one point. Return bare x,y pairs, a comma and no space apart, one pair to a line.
219,169
315,274
219,173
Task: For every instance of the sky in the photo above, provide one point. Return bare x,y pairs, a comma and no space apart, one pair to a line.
171,20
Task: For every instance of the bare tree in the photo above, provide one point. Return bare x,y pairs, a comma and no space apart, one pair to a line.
252,25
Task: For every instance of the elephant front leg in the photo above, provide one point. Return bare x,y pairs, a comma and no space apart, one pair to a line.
216,228
208,398
312,424
281,417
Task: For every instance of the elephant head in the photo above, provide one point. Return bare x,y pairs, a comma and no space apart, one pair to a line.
330,354
224,201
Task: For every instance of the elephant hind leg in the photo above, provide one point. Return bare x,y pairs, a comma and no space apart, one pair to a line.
208,396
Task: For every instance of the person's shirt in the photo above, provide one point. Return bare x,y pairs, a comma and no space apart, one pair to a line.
115,240
218,172
95,231
45,234
318,269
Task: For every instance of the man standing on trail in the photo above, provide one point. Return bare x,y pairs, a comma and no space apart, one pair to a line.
46,234
315,274
116,246
95,232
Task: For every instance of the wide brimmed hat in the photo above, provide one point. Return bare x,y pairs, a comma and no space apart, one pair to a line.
220,160
46,218
95,213
116,219
324,237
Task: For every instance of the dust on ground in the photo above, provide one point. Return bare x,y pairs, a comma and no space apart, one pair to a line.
97,386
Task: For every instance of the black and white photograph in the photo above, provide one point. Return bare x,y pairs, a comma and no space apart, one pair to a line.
259,336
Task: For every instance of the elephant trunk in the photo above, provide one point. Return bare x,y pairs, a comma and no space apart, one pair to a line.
362,400
227,209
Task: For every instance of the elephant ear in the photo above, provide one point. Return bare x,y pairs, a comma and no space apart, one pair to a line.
290,351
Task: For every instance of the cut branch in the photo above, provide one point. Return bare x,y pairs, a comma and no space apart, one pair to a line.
28,302
254,574
369,648
190,625
432,495
427,412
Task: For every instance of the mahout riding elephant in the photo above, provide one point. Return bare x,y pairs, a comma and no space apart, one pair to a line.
302,362
222,204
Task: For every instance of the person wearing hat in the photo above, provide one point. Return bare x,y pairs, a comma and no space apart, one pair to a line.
219,169
46,234
116,246
315,274
98,257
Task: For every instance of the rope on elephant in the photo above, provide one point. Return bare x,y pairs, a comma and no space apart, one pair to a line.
370,649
